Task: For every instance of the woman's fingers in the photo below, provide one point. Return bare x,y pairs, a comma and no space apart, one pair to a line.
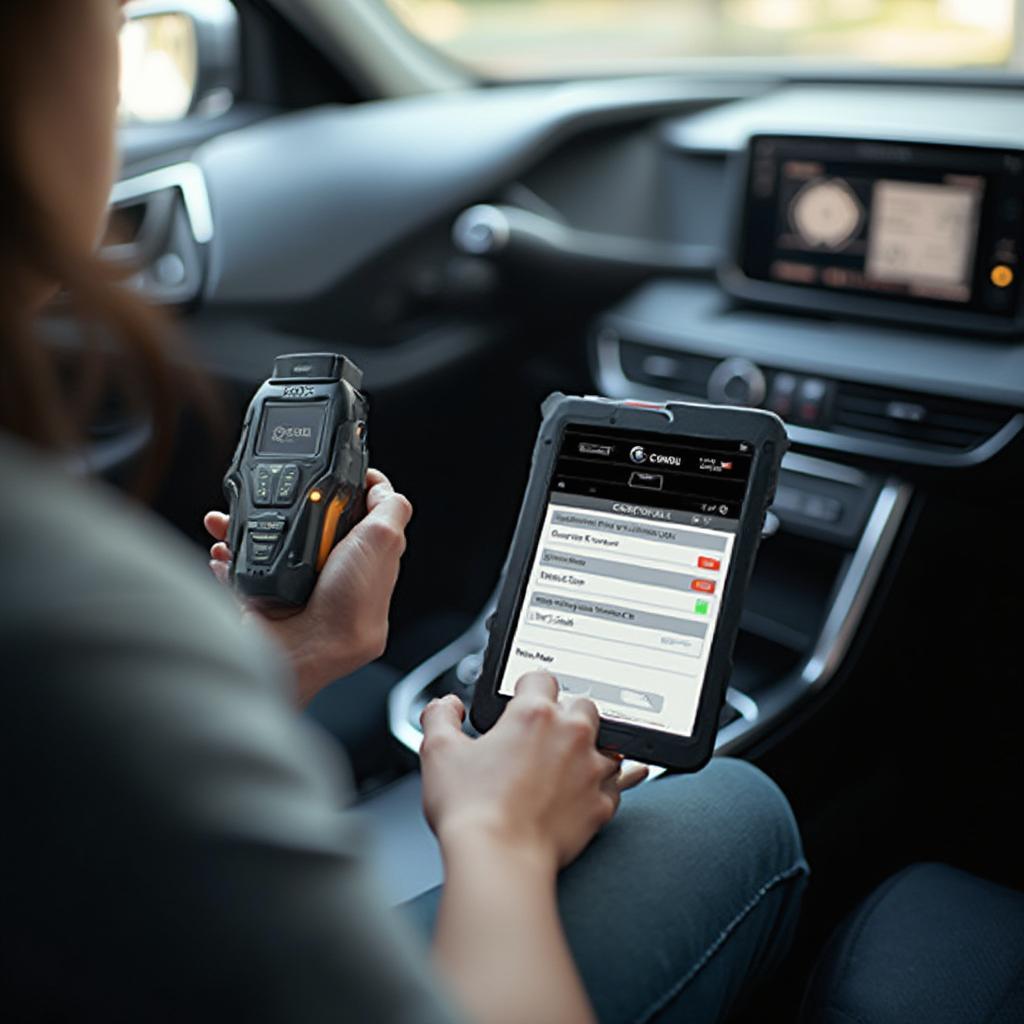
220,552
632,776
379,490
385,508
613,766
378,487
216,524
537,684
377,484
442,716
583,707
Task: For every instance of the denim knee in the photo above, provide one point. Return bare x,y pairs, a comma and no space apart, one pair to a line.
736,807
760,806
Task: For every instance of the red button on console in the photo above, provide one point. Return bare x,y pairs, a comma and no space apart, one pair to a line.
704,586
709,563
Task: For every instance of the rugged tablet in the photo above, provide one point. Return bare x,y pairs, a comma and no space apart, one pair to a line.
628,568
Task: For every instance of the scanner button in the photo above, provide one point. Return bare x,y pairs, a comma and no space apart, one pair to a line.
261,553
262,485
287,486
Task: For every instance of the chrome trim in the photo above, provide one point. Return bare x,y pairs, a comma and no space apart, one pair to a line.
409,692
614,383
185,177
746,707
852,594
807,465
772,524
749,713
858,583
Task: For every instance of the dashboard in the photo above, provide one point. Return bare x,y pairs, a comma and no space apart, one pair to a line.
847,254
854,265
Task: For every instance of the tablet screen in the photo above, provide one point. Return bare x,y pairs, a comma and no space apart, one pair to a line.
628,572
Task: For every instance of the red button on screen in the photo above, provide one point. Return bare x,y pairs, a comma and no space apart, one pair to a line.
705,586
709,563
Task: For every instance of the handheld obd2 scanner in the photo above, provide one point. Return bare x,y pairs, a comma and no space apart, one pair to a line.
297,483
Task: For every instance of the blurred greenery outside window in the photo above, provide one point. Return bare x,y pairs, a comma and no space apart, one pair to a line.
557,38
158,68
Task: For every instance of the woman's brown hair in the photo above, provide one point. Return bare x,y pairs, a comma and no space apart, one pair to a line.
124,340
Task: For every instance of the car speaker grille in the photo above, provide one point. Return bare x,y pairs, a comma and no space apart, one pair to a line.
943,423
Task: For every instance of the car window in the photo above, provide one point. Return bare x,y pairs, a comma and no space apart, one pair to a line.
528,38
158,68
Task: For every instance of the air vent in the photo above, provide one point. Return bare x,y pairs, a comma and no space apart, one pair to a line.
941,423
162,221
665,368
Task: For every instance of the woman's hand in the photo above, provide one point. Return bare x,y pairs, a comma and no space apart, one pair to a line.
344,625
510,809
536,783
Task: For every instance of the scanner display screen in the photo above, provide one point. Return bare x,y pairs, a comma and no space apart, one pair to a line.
291,429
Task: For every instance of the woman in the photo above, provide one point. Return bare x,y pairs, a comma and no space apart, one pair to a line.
175,847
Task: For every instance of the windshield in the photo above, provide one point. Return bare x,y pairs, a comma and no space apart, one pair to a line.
560,38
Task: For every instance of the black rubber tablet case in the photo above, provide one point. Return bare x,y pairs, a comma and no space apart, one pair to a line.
766,435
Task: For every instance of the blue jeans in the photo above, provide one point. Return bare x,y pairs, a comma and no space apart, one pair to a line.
686,900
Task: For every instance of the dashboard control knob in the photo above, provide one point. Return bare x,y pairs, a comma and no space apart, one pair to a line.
736,382
481,230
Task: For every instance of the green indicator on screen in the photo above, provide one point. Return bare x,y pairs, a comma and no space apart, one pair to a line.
700,607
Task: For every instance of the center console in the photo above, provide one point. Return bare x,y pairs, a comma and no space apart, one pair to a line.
832,529
869,409
870,296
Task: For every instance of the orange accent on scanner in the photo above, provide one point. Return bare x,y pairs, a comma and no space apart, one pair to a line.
330,529
1001,276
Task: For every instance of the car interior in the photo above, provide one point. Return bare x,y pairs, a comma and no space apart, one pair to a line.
837,242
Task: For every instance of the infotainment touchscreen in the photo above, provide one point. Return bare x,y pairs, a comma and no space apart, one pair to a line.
935,226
